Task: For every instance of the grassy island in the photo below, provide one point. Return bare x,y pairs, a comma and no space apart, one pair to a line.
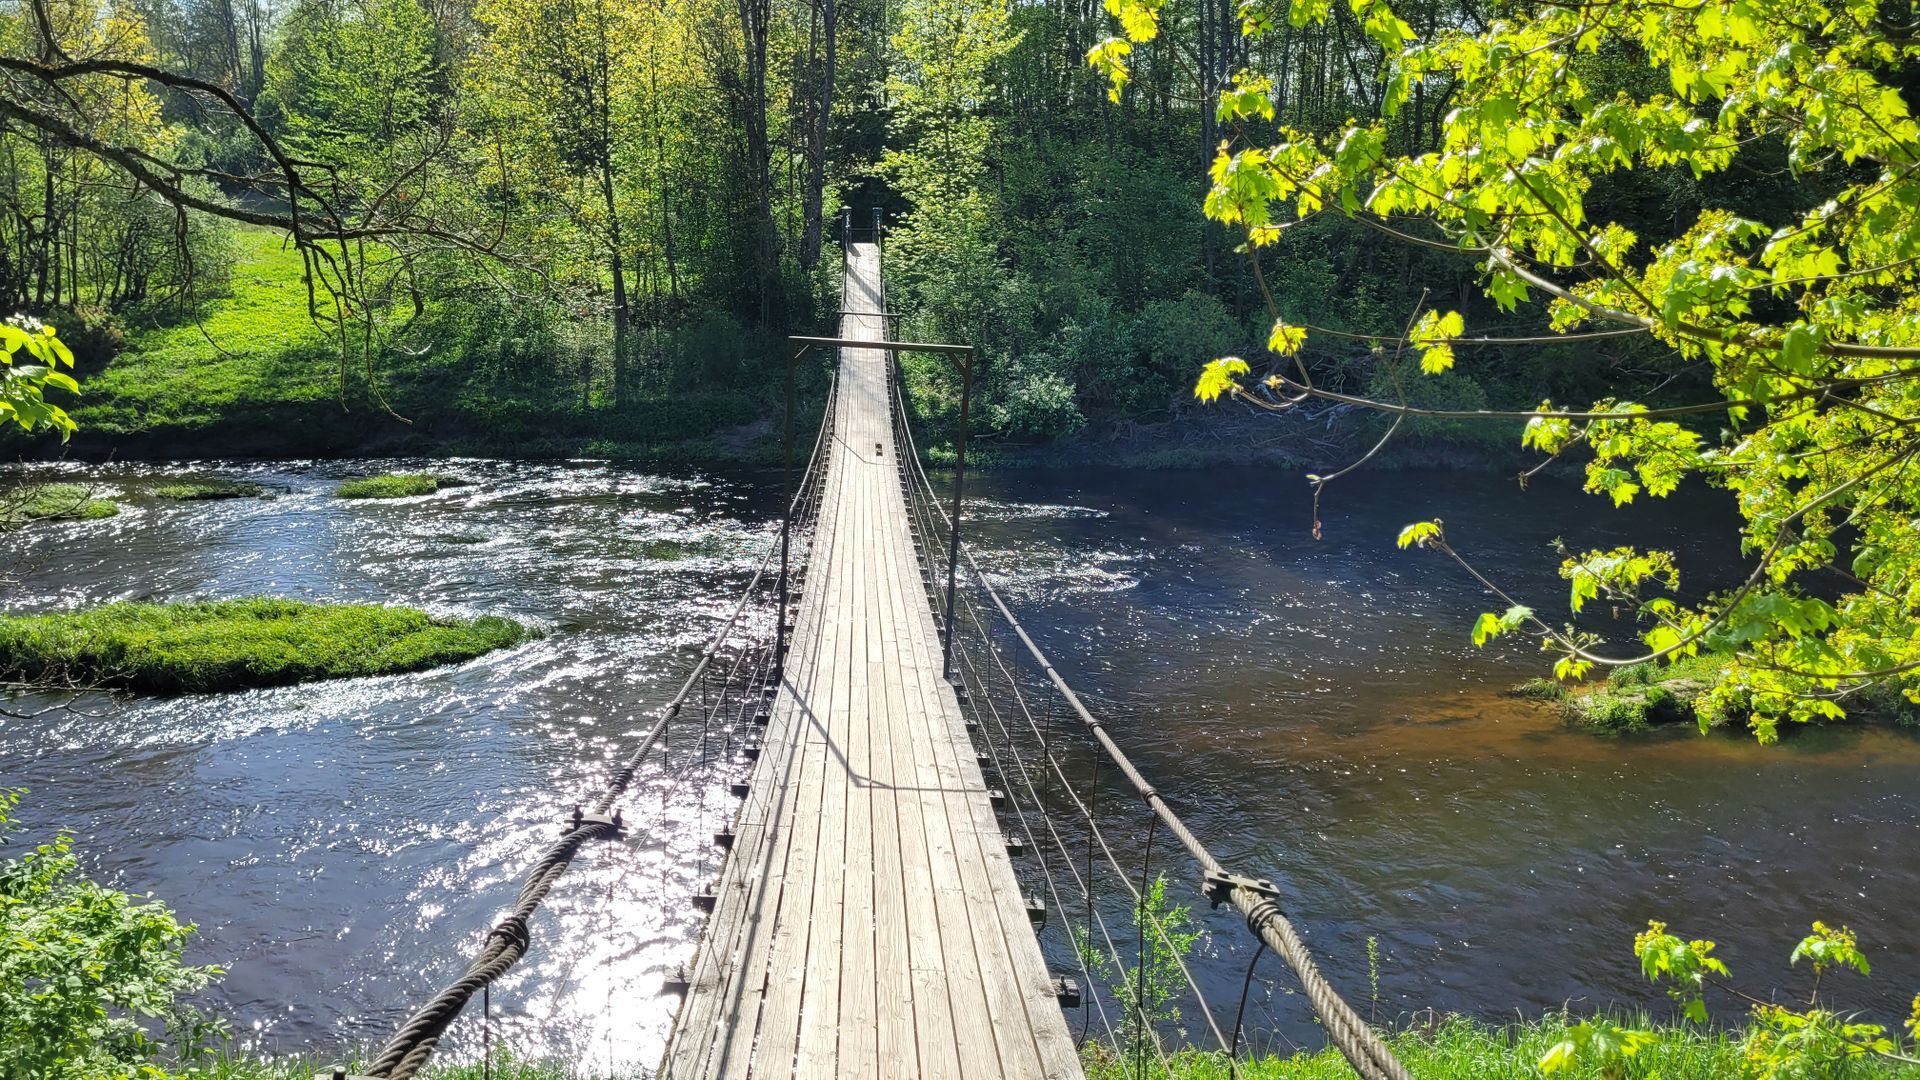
53,502
236,644
193,490
394,486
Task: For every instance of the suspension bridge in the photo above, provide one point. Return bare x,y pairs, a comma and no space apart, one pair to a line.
903,744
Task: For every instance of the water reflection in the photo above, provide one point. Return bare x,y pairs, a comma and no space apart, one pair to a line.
1328,721
1315,709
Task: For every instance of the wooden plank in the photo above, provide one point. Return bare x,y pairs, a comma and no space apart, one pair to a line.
784,959
707,1024
930,987
893,960
869,923
858,1020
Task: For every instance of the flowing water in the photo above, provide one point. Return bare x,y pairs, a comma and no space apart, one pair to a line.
1313,707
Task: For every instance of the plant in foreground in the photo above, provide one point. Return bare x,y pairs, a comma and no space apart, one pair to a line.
89,976
1781,1042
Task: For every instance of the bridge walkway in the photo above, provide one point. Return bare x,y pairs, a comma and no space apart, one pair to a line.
868,921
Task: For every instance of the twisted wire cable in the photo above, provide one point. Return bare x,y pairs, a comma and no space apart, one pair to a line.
416,1039
1357,1042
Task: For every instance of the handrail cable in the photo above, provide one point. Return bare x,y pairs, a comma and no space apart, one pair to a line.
413,1044
1096,834
922,527
1253,899
924,522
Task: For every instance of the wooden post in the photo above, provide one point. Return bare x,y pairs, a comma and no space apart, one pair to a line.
959,489
786,529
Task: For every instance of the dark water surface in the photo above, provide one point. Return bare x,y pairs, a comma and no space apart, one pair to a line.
1313,707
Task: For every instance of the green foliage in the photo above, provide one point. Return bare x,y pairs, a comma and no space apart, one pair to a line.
208,646
352,77
393,486
85,971
53,502
1790,313
32,362
1684,965
1781,1043
1460,1048
1147,992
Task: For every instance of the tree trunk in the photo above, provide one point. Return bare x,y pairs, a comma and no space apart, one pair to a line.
810,238
755,16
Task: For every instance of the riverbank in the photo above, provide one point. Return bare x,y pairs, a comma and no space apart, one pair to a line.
1644,697
1445,1048
254,376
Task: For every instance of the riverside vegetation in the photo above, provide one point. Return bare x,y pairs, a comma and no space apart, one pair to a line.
95,990
210,646
561,228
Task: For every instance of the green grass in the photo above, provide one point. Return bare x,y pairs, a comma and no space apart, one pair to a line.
1460,1049
255,349
1452,1048
254,376
53,502
236,644
189,490
394,486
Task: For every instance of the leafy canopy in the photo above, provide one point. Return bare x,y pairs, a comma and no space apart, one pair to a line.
1807,324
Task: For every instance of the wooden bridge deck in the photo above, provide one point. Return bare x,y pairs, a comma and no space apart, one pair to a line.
868,921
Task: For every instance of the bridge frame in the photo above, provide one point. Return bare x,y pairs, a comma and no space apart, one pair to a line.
962,358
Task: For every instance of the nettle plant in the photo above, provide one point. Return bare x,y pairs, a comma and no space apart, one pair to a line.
1781,1042
1806,324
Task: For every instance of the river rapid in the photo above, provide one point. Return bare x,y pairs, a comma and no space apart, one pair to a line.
1313,707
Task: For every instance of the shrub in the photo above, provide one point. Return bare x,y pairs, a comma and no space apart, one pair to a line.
394,486
84,970
236,644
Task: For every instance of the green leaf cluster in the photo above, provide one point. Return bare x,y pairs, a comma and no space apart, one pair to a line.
1801,320
85,971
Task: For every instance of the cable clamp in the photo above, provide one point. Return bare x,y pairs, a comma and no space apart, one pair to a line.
514,929
1219,887
606,826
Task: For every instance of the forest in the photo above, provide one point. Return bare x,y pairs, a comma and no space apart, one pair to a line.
586,225
395,390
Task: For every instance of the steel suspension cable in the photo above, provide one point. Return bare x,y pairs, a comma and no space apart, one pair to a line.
1252,898
415,1041
1096,834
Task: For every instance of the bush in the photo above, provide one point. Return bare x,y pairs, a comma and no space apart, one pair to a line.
84,970
1173,339
236,644
1039,405
393,486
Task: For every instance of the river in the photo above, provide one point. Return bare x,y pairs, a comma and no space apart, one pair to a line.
1313,707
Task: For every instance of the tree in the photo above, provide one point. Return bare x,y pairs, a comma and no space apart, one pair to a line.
571,70
1805,322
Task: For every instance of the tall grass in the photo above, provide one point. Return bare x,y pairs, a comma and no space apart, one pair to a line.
1456,1048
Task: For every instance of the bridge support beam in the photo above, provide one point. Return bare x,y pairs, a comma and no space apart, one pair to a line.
959,491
